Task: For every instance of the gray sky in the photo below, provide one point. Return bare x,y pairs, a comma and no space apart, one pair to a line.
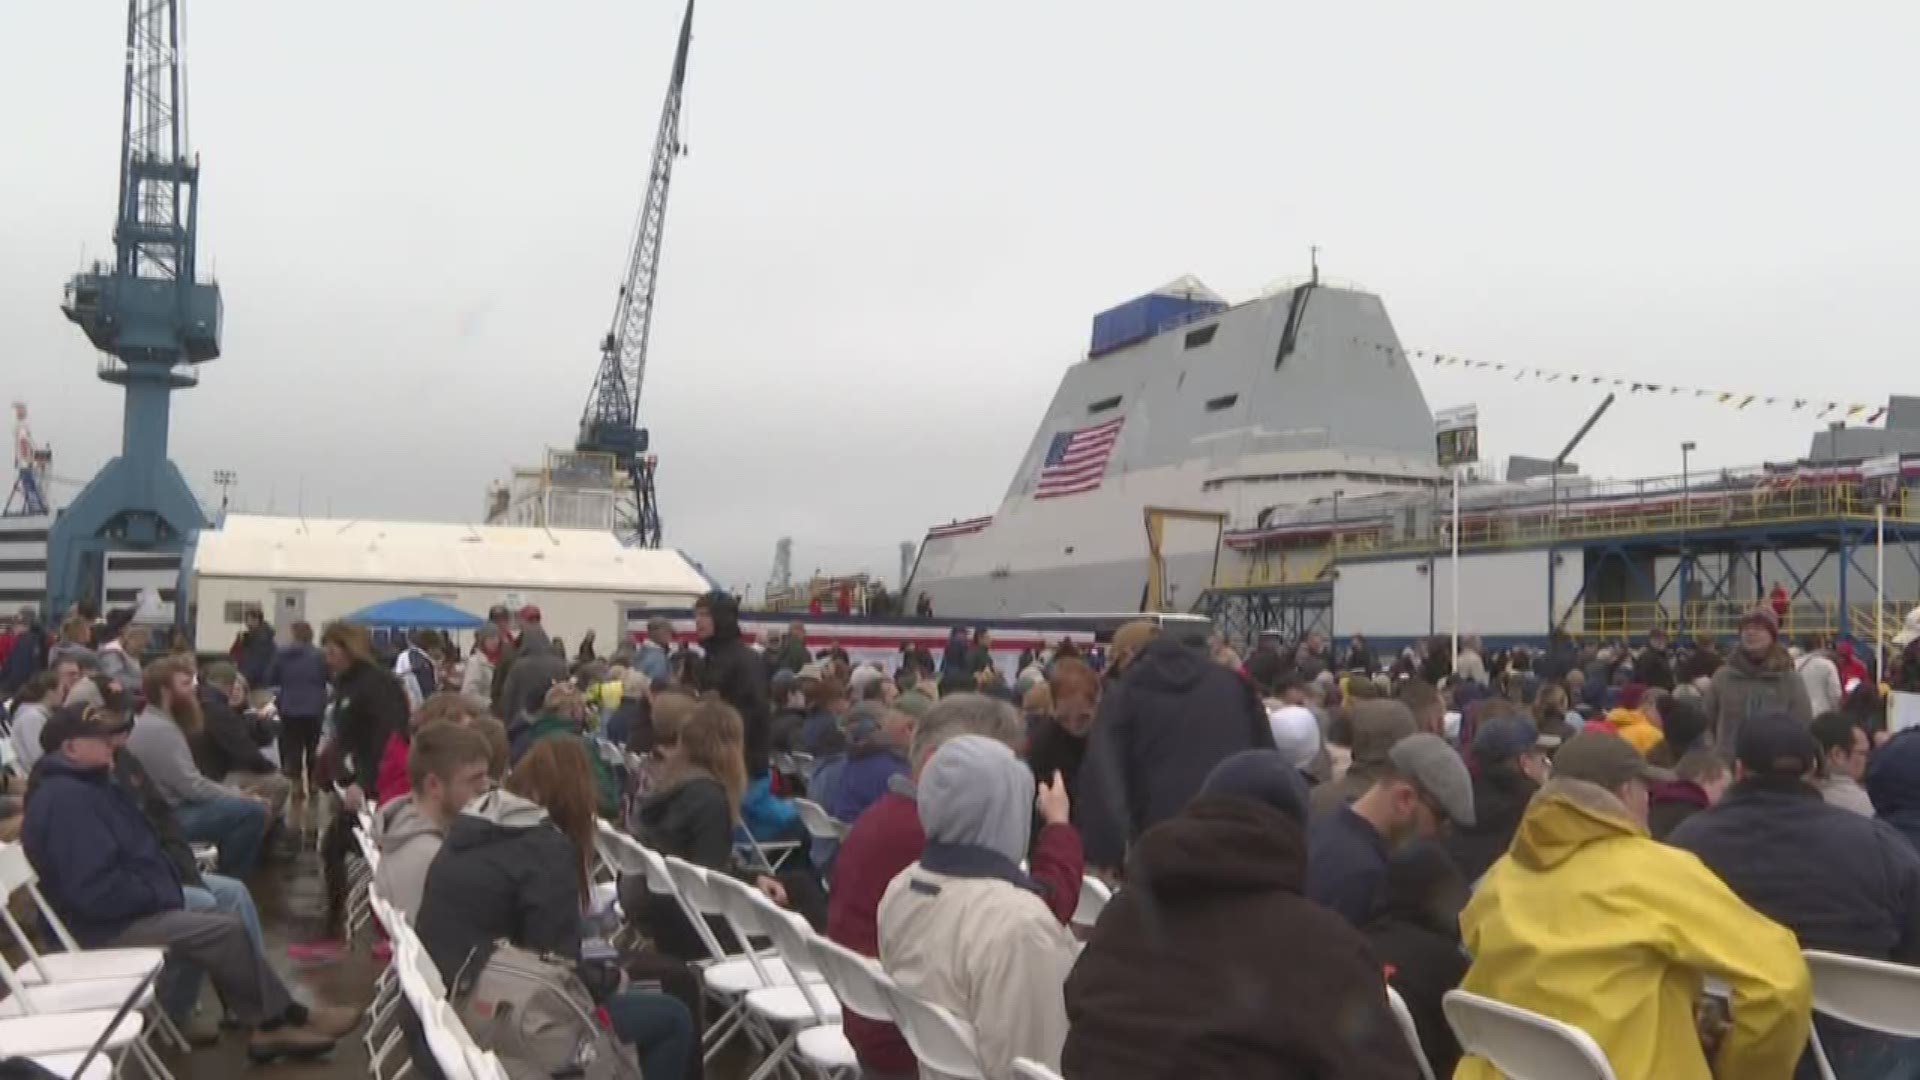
898,218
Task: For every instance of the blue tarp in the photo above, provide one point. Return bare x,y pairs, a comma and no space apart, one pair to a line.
415,612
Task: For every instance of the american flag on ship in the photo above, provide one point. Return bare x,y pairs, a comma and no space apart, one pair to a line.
1077,460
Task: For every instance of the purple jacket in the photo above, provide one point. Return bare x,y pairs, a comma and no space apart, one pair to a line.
864,779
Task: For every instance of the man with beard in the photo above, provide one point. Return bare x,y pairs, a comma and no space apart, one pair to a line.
208,812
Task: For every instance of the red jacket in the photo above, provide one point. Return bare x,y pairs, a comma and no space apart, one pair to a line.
392,781
886,840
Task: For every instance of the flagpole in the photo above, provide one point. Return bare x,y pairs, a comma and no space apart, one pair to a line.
1455,570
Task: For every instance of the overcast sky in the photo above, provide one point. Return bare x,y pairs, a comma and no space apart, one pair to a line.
897,219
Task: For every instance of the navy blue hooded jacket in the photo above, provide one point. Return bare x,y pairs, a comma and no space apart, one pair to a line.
100,863
1893,783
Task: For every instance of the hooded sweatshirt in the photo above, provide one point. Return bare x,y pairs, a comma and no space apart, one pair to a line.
965,928
408,841
1592,922
1633,726
504,872
1211,964
1746,687
1159,731
539,666
1893,783
735,672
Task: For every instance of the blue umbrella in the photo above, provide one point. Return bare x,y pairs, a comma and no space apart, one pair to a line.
415,612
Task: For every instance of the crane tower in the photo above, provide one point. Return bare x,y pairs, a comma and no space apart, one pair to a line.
610,423
150,316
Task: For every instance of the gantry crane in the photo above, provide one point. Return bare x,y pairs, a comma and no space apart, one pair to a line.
611,422
150,316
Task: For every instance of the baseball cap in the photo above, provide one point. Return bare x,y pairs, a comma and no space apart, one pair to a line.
497,612
82,722
1775,744
1601,757
1504,738
1435,769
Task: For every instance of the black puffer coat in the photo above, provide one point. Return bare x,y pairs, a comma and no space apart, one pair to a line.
735,672
504,872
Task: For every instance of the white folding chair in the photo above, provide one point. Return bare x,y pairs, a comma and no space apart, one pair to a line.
731,976
1523,1045
808,1008
1028,1069
862,987
1094,895
1404,1017
942,1041
1874,994
440,1024
383,1034
820,824
90,1017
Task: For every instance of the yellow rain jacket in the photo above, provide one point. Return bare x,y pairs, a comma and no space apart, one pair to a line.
1589,921
1633,726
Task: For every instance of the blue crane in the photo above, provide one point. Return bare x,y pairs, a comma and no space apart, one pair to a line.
610,423
150,316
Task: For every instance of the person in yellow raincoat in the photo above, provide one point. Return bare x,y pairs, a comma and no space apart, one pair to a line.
1588,920
1634,721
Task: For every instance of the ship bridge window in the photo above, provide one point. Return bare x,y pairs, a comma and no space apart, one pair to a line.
1197,338
1225,401
1104,404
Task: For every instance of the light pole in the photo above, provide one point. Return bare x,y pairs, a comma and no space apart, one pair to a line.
1336,523
1686,515
224,479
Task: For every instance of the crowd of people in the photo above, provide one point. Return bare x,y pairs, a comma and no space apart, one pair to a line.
1638,839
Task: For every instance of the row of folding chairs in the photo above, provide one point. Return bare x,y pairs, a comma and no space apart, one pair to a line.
412,978
80,1013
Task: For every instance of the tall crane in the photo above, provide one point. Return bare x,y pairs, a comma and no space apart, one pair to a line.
149,314
610,423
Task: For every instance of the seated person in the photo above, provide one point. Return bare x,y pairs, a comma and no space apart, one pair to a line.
512,869
1594,923
105,874
1416,935
208,811
225,748
964,927
447,768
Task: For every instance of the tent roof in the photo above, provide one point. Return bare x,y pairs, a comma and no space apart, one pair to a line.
416,612
430,553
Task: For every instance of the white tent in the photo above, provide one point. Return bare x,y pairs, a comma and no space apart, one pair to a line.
316,570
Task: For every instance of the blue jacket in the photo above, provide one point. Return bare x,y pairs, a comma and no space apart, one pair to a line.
99,860
1893,783
864,780
300,671
652,661
821,734
1839,881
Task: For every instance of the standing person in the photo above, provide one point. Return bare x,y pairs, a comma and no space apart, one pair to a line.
1060,744
888,838
1159,731
1423,786
477,679
1758,678
503,623
414,667
368,706
1780,601
299,671
76,637
1470,665
1702,662
734,671
1212,901
209,812
1853,673
539,665
1842,883
586,653
980,653
1653,665
1592,922
1821,672
255,648
1844,749
1360,656
104,872
653,657
962,927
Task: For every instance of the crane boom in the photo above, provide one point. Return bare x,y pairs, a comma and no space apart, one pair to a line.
611,421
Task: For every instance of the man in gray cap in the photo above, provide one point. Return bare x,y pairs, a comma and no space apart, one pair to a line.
1422,785
964,927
